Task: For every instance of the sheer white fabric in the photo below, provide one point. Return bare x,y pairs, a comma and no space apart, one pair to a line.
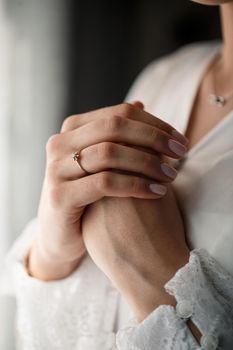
79,312
84,311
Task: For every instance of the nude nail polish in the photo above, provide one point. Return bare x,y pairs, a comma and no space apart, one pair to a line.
158,189
169,171
177,148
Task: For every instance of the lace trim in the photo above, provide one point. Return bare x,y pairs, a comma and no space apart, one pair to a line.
162,329
209,289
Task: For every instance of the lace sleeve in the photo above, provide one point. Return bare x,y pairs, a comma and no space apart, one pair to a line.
204,294
75,313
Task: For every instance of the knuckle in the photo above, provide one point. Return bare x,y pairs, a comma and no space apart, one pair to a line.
126,110
52,171
56,195
106,150
137,185
69,123
113,124
104,182
154,135
52,144
148,162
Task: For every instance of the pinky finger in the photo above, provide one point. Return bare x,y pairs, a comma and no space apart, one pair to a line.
114,184
91,188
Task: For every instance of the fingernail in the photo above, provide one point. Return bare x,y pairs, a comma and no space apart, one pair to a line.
177,148
181,138
169,171
158,189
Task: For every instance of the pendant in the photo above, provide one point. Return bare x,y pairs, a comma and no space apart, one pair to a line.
217,100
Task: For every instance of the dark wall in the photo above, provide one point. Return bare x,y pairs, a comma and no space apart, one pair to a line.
111,41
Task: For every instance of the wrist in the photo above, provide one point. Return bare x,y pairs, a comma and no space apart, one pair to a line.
47,267
147,292
143,307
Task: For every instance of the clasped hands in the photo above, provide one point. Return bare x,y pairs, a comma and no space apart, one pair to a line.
124,214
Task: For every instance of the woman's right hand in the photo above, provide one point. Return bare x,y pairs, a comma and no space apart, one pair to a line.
121,148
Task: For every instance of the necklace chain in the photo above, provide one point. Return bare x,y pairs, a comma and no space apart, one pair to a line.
215,98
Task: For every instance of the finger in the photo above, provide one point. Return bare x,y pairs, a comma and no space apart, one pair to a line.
138,104
124,110
105,156
120,130
84,191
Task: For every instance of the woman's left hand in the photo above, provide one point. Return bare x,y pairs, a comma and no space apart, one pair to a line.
139,244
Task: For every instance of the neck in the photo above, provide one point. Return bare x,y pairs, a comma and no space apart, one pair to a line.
227,31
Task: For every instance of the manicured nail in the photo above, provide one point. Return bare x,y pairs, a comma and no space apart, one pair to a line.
158,189
169,171
181,138
177,148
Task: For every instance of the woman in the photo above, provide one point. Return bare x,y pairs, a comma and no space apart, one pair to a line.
165,263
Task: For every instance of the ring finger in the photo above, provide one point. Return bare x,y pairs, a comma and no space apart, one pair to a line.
108,155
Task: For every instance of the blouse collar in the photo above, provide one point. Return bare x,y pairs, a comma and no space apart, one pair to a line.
191,89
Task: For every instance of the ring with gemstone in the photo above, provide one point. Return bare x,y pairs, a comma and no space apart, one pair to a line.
76,157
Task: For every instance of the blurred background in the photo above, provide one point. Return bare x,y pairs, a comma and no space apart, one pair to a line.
60,57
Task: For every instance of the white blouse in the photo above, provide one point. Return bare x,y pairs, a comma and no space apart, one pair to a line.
84,311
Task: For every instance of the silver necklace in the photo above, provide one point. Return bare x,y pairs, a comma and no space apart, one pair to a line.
216,99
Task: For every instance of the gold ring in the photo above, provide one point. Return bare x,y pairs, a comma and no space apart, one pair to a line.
76,158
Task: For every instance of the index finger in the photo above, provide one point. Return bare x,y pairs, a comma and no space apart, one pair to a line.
124,110
160,124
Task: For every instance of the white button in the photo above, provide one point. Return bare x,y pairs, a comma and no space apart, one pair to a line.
184,309
209,342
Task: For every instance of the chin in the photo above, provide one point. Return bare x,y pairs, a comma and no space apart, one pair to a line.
212,2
